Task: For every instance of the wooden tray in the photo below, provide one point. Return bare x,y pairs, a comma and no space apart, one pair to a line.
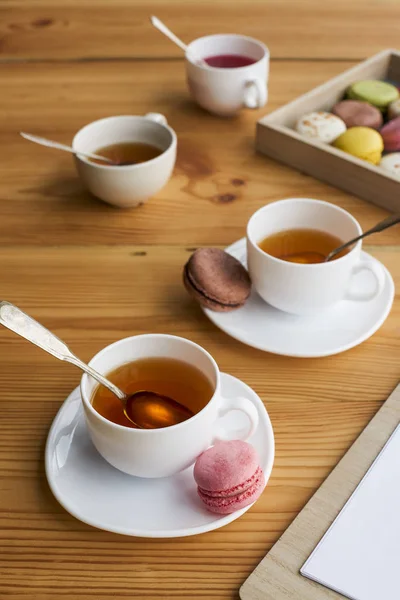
277,577
277,138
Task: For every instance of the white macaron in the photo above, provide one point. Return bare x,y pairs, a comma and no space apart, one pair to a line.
322,126
391,163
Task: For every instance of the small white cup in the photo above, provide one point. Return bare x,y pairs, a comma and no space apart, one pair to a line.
225,91
304,289
161,452
130,185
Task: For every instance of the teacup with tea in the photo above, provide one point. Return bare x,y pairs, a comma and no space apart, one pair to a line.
287,243
143,150
170,366
232,74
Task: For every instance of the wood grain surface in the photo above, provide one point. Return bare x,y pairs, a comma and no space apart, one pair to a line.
95,274
298,29
278,576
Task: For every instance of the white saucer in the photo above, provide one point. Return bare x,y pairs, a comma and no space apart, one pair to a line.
98,494
344,326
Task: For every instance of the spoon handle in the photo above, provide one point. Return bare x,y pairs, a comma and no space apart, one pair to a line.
50,144
22,324
381,226
388,222
167,32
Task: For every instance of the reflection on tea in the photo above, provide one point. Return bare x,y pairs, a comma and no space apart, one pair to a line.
166,376
305,246
127,153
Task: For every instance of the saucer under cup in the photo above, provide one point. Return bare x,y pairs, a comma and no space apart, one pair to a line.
347,324
96,493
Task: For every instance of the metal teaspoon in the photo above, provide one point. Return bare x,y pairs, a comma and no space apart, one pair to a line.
50,144
135,405
385,224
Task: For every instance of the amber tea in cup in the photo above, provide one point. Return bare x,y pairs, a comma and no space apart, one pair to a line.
176,379
179,369
127,153
304,246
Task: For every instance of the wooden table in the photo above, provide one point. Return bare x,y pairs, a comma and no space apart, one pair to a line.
94,274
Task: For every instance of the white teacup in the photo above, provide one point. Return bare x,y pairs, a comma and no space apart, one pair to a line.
161,452
304,289
225,91
130,185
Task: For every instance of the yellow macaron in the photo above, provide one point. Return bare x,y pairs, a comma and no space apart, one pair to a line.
363,142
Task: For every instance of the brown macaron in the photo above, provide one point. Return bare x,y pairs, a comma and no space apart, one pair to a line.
356,113
216,280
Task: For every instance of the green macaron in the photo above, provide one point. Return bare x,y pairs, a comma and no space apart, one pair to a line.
378,93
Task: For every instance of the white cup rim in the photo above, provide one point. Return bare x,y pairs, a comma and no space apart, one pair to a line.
110,347
124,167
206,67
264,208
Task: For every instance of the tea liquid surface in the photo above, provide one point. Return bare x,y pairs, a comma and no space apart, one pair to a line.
127,153
305,246
229,61
167,376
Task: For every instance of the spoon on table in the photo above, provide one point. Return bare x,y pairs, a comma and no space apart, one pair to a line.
168,33
145,409
315,257
45,142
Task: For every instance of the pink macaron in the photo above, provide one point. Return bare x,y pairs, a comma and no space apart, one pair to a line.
228,476
391,135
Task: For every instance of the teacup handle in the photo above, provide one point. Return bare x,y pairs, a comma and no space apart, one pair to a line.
244,405
255,93
379,276
157,118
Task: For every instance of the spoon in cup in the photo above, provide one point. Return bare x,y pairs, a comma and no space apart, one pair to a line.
50,144
168,33
317,257
385,224
145,409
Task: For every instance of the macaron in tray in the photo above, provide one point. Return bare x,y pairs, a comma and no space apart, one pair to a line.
363,142
391,135
321,126
391,163
393,110
375,92
355,113
365,123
